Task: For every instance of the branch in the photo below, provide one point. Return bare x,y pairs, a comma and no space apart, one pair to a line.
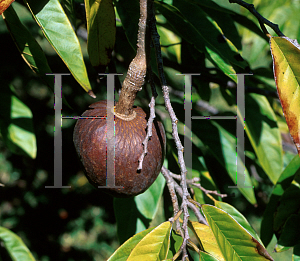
262,21
180,149
150,120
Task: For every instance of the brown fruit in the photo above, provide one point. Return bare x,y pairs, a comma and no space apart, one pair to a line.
90,143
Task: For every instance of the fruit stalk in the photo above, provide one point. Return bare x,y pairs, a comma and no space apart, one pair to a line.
135,77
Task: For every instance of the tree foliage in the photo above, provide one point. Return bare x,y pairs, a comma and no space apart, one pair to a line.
214,40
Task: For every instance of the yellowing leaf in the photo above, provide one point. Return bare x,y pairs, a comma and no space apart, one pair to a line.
101,26
234,241
4,4
154,246
286,67
207,239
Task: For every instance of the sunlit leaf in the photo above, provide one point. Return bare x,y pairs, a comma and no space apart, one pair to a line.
4,4
238,218
101,26
59,32
234,241
122,253
207,257
206,239
286,57
154,246
16,124
14,245
264,134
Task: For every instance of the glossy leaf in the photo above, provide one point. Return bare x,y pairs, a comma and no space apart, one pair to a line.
207,257
264,134
286,56
282,184
238,218
14,245
122,253
154,246
187,30
135,214
234,241
59,32
206,239
16,124
101,26
70,9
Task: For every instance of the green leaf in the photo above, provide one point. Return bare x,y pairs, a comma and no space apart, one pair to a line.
130,18
59,32
135,214
238,218
206,239
288,204
101,26
175,244
28,47
69,8
15,246
185,29
234,241
122,253
290,235
286,56
296,253
205,25
16,124
223,147
282,184
207,257
264,134
154,246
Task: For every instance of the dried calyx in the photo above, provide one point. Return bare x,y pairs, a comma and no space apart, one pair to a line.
130,125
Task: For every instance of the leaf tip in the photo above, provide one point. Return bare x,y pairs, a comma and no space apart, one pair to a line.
92,94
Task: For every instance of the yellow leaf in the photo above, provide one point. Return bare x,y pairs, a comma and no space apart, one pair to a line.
207,239
286,67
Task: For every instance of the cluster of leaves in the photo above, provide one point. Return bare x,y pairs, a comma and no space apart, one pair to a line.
206,37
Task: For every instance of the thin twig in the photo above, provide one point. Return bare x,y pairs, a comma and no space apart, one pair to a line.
206,191
180,149
262,21
170,184
149,131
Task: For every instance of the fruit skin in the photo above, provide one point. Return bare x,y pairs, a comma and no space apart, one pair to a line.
90,142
